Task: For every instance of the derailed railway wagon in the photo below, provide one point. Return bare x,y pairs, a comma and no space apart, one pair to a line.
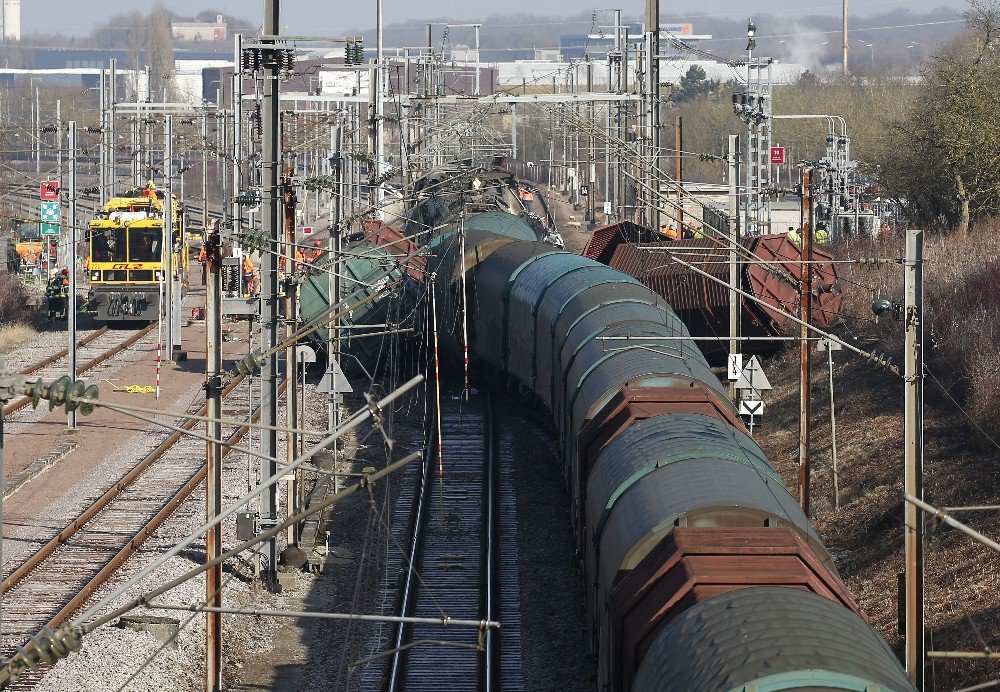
770,269
702,572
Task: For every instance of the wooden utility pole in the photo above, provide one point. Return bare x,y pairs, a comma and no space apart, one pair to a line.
291,365
679,172
805,354
213,459
913,424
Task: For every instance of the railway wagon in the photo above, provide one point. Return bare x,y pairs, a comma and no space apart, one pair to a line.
381,254
769,269
379,257
127,258
702,572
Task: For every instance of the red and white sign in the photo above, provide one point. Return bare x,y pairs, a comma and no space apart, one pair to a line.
50,189
307,230
777,155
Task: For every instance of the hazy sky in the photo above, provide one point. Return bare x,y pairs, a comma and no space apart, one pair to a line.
332,16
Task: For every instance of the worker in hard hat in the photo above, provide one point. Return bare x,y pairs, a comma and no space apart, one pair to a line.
821,236
316,253
57,294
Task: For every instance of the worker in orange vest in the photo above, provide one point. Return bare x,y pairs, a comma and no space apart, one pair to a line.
203,258
300,257
248,275
668,232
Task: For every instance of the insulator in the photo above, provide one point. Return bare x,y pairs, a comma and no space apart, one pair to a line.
250,364
48,646
58,391
76,390
36,392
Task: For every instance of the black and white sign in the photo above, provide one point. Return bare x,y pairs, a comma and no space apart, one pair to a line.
752,377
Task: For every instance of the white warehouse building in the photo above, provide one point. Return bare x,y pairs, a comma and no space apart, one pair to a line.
10,22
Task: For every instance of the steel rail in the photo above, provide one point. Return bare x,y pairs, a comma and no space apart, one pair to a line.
63,353
89,365
491,656
407,590
130,548
88,514
489,673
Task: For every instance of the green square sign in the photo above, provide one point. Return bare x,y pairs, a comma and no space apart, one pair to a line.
49,213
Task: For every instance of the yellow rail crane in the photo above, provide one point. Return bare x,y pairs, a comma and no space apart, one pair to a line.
128,255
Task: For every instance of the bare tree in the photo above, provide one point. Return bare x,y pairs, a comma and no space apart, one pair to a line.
946,156
159,50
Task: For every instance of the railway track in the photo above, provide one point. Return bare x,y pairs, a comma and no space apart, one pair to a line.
92,351
456,563
55,582
35,367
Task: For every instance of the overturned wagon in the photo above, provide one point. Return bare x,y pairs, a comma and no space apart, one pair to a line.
770,269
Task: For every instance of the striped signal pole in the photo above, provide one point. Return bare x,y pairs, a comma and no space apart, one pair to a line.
465,314
437,380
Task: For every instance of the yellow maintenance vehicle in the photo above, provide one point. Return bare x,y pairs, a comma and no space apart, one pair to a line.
129,256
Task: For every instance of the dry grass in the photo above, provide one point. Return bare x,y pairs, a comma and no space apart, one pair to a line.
865,535
13,335
961,284
15,301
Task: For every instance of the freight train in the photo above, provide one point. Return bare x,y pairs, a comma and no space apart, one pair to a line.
126,256
702,572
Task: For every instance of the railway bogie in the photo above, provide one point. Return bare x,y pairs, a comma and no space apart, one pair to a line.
770,269
125,303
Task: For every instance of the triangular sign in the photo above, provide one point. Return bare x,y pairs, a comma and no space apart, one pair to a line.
753,377
335,381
